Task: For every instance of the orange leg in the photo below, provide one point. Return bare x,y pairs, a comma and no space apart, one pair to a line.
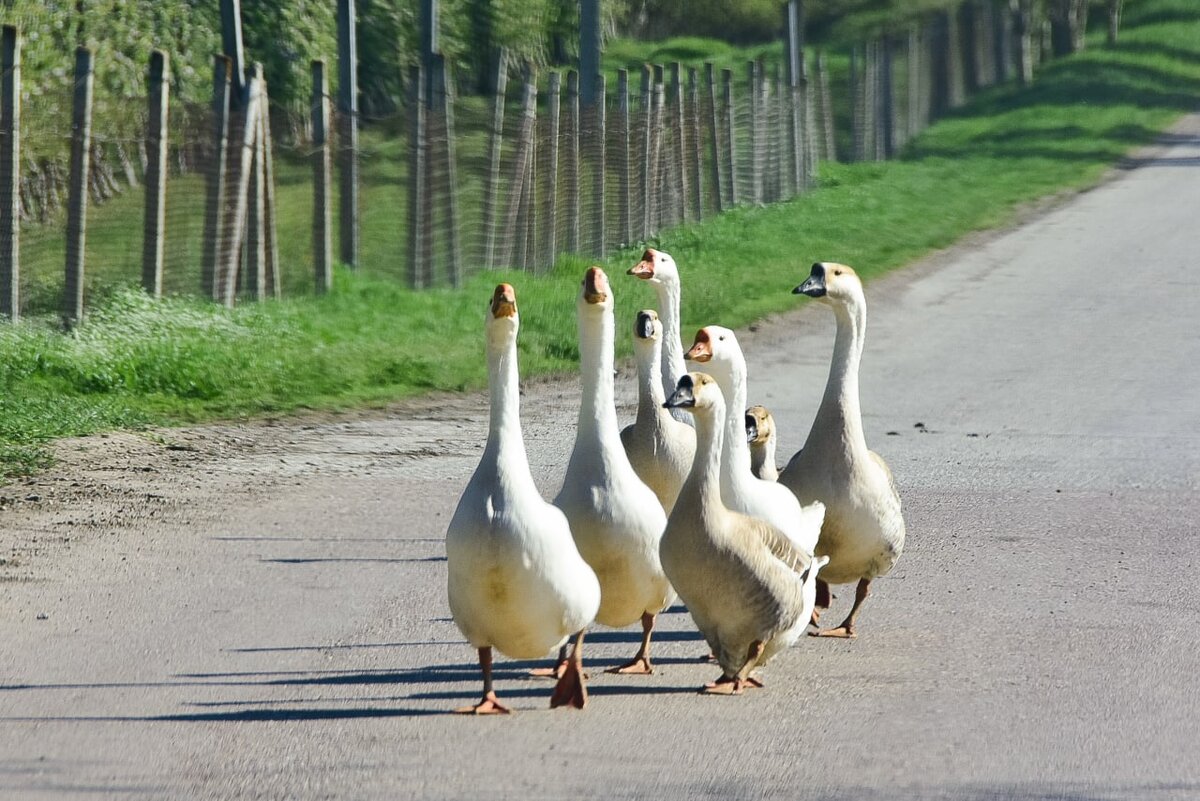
490,705
735,685
846,631
824,598
641,660
556,672
571,690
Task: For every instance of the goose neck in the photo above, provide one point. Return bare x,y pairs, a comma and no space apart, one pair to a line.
597,410
840,411
505,444
704,481
736,449
673,367
650,388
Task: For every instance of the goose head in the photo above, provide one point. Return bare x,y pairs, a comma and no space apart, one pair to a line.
595,295
647,329
718,350
699,394
657,267
760,425
832,283
502,318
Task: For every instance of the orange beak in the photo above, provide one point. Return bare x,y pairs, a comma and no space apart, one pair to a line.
645,268
504,301
701,349
595,285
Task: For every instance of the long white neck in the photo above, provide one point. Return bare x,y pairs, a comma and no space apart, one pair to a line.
703,485
650,384
762,460
673,367
840,414
598,411
735,463
505,445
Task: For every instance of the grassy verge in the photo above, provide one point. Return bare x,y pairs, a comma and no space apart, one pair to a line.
136,362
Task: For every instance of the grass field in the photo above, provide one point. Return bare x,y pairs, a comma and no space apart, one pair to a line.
136,362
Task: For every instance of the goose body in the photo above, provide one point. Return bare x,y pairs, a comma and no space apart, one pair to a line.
659,268
760,433
718,350
617,520
863,533
517,581
659,447
748,588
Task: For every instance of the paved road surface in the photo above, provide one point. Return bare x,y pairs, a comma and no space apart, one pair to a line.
259,611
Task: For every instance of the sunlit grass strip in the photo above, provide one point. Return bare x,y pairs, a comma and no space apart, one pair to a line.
371,341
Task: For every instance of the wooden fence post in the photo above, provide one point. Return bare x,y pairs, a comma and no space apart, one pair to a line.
81,142
550,214
680,152
571,176
347,132
272,279
915,80
624,187
646,183
857,107
491,192
730,135
322,180
696,153
214,208
443,106
714,126
231,44
516,220
656,171
1002,26
156,174
418,268
240,211
755,131
255,253
10,174
887,104
826,107
599,222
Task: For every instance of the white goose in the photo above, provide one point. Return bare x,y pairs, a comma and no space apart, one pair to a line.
660,270
748,588
659,447
517,582
863,533
718,350
760,433
616,519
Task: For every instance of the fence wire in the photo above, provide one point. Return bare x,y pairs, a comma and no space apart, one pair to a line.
449,184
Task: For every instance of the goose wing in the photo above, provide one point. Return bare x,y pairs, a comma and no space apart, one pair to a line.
781,547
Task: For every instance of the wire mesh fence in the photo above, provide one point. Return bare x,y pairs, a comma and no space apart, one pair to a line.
452,183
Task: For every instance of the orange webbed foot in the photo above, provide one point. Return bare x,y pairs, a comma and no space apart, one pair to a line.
570,690
490,705
638,667
841,632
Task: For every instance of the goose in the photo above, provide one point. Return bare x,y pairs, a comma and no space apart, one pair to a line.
863,533
718,350
660,270
659,447
616,519
749,589
760,433
516,580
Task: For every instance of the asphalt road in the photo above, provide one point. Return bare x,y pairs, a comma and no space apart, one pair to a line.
260,611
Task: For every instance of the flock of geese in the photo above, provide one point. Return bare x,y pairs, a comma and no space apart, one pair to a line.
686,502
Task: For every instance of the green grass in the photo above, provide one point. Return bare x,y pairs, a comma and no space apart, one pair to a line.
136,362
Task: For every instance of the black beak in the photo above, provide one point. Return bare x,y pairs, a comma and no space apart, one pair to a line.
645,326
751,428
682,397
814,285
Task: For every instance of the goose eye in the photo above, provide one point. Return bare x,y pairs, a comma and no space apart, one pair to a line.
837,272
721,338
